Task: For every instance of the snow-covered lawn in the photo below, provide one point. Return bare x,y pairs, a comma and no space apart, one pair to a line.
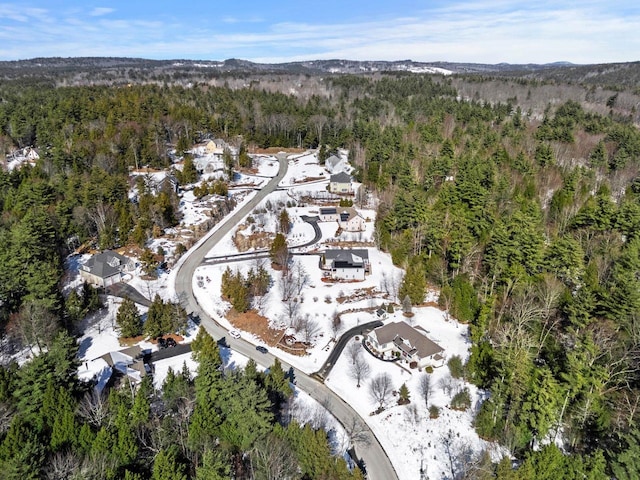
412,439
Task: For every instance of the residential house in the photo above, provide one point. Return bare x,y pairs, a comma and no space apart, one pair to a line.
106,268
341,183
335,164
209,164
127,362
350,220
411,344
215,147
110,368
328,214
168,183
348,264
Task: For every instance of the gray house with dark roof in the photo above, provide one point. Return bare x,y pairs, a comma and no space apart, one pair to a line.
410,343
340,183
106,268
352,264
335,164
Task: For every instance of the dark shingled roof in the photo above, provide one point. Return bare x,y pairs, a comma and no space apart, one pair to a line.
105,264
398,332
355,258
340,178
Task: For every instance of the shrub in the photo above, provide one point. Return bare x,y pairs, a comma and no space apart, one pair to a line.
456,367
461,400
428,369
434,412
180,249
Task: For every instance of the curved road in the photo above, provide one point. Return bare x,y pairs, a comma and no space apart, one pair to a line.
369,449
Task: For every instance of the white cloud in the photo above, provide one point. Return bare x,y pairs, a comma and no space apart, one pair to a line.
100,11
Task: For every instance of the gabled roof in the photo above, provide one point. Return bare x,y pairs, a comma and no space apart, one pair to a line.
105,264
346,258
340,178
407,339
332,161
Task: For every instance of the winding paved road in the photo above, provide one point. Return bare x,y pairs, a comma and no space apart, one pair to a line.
377,462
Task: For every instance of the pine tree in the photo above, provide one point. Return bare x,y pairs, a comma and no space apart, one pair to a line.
128,319
167,467
403,395
153,325
279,251
284,222
414,284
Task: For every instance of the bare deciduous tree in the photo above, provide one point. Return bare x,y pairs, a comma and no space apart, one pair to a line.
424,386
62,466
412,414
288,284
94,408
447,384
309,328
353,350
336,322
359,369
273,459
300,278
380,388
6,415
36,325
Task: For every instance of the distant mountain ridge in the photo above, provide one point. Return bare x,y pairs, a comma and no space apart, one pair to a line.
311,66
621,75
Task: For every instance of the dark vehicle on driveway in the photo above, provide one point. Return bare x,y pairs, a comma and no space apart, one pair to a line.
171,342
162,343
261,349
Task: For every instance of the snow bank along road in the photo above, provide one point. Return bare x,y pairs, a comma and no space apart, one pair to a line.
377,462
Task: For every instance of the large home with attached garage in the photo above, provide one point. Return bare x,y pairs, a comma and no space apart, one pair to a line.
106,268
402,340
351,264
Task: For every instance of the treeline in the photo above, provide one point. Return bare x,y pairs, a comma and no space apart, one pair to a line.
219,425
530,230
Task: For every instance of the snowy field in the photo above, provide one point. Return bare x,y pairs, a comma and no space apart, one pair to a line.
412,439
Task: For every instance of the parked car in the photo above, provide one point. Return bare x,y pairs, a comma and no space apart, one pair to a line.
261,349
171,342
162,343
234,334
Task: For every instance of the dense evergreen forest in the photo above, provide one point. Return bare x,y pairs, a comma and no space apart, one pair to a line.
526,222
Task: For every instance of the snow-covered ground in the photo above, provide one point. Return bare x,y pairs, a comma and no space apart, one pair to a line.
411,439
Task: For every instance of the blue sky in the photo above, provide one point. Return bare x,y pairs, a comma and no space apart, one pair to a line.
485,31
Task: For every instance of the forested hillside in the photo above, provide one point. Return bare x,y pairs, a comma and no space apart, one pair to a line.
525,216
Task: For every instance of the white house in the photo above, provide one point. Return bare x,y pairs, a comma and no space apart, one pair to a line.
350,220
209,164
401,339
106,268
341,183
335,164
352,264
